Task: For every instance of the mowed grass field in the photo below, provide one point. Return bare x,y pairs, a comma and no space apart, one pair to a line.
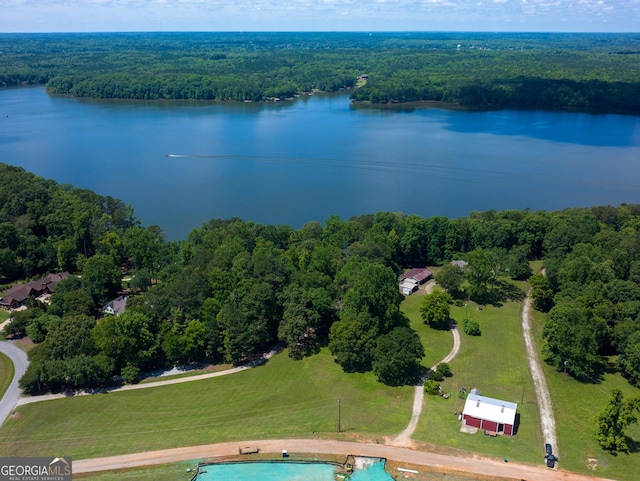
495,363
287,398
6,373
282,398
575,405
437,344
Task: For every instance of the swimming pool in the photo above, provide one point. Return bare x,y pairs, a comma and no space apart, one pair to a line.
365,469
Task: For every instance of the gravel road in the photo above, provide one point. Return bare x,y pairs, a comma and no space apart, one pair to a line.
477,465
545,407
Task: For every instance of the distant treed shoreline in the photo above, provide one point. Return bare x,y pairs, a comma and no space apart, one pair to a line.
587,72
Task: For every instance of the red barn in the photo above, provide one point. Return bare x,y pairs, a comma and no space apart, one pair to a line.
489,414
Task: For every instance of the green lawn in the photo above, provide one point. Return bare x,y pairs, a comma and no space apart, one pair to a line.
280,399
575,405
299,398
495,363
437,344
163,472
6,373
4,315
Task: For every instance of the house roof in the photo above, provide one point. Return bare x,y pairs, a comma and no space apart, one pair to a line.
460,263
50,281
20,292
490,409
409,284
118,305
418,273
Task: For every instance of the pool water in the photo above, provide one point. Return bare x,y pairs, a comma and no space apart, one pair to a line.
372,469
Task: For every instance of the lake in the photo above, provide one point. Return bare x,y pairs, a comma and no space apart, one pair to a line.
180,164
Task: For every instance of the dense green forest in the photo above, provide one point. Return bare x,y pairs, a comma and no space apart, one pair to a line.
590,72
234,289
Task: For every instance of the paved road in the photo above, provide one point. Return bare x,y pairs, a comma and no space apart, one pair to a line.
477,465
12,395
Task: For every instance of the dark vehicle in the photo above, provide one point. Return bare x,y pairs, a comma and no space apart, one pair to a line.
548,449
551,461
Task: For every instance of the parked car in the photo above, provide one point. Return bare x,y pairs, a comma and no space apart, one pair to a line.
548,450
551,461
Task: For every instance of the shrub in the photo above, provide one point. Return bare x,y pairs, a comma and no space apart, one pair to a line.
130,374
436,375
444,369
472,328
432,387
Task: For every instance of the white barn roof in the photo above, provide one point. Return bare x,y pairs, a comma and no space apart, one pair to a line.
490,409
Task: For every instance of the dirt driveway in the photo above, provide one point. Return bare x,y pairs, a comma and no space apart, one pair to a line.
547,420
477,465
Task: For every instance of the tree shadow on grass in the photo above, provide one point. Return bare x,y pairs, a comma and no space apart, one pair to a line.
501,292
634,446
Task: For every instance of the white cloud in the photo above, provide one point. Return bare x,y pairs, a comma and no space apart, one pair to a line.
109,15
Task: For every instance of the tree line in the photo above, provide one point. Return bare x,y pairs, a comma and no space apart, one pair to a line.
594,72
234,289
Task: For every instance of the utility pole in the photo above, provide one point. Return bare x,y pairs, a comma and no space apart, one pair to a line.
338,427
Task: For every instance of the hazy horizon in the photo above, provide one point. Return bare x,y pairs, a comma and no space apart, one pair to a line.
543,16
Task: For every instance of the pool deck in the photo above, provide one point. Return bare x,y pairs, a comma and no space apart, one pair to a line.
471,464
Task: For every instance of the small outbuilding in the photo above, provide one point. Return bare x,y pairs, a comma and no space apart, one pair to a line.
408,287
411,280
419,275
489,414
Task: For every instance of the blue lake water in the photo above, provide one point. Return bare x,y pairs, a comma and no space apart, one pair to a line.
289,471
179,164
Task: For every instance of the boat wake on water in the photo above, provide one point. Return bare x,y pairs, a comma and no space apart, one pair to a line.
425,167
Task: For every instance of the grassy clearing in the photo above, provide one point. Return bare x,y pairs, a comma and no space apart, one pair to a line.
283,398
6,373
437,344
4,315
575,405
163,472
496,363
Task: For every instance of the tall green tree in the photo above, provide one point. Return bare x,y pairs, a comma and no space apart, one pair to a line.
482,273
435,311
101,278
397,356
352,340
541,292
574,340
127,339
612,420
450,277
629,359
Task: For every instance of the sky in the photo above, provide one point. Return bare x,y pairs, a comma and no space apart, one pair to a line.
320,15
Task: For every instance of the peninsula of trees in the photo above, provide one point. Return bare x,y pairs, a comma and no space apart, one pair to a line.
588,72
234,289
